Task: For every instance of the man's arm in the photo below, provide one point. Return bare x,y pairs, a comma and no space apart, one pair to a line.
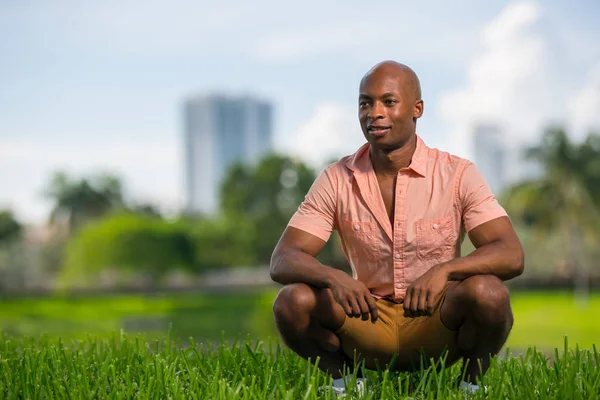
498,252
498,249
294,261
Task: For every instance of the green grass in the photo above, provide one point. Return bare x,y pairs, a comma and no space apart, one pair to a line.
542,319
201,315
81,357
129,367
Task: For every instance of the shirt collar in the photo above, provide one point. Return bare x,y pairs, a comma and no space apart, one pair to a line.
361,162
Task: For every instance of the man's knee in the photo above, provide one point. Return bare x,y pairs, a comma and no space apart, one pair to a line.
488,298
294,301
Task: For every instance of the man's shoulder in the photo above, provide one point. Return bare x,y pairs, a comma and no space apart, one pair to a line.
343,166
447,158
337,169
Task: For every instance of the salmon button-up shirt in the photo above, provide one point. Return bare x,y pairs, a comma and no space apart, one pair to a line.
438,198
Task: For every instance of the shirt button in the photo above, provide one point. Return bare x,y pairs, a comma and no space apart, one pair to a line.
399,286
435,226
398,255
357,227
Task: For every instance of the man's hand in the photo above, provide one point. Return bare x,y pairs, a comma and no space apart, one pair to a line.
353,296
420,296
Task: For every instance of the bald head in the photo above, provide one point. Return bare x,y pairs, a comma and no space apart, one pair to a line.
399,71
389,104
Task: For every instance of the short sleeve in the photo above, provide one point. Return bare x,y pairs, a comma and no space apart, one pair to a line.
316,214
478,203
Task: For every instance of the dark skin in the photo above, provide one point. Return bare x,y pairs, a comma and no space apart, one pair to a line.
476,305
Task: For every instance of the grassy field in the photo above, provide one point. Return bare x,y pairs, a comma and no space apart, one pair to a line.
129,367
542,319
63,347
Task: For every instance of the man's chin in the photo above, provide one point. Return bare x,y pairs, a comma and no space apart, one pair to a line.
381,142
387,143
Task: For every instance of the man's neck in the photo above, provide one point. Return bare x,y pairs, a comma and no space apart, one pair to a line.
390,162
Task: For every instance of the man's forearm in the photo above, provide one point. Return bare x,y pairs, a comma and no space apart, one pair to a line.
294,266
499,258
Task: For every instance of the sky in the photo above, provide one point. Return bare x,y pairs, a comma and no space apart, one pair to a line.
91,87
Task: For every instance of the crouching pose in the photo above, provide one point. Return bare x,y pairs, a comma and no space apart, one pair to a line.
402,210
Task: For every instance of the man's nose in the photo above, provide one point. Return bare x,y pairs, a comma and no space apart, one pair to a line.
376,111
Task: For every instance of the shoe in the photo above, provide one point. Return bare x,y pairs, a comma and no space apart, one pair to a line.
341,392
471,389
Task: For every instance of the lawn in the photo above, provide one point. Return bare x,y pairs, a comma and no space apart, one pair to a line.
70,347
542,319
122,366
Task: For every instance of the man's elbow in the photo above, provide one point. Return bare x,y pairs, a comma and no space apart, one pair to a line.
274,266
517,261
274,274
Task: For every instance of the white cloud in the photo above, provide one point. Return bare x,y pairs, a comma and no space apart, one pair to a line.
146,169
511,22
332,132
584,105
508,84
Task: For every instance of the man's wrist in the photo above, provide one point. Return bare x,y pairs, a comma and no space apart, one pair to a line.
445,269
330,276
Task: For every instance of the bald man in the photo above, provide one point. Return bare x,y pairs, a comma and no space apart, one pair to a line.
402,210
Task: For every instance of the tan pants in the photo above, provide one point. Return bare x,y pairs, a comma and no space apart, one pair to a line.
395,334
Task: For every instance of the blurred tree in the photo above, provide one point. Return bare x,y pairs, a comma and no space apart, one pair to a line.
148,210
564,199
265,197
10,228
223,242
12,267
590,155
80,201
128,242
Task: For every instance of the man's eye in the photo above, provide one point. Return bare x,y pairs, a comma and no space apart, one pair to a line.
390,101
362,103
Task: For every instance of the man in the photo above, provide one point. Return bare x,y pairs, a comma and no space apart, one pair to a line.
402,210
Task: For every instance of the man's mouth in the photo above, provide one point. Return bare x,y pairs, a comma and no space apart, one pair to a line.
378,130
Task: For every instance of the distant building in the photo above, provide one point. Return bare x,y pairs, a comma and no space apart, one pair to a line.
490,156
219,131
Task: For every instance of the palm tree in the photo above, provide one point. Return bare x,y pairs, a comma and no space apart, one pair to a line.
79,201
564,199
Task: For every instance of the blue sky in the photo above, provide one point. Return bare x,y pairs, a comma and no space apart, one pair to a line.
98,86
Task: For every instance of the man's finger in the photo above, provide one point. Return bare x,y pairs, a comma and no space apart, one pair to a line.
406,303
414,302
430,303
364,308
372,307
422,303
347,308
355,307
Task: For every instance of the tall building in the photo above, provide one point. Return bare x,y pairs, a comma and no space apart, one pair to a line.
490,156
219,131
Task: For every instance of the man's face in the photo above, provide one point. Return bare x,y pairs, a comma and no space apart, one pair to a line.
387,109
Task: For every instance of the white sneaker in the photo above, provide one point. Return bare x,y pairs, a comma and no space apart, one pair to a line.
340,392
469,388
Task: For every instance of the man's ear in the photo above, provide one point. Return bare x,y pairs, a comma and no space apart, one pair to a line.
418,109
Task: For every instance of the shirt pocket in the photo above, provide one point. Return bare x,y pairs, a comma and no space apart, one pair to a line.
435,238
362,238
